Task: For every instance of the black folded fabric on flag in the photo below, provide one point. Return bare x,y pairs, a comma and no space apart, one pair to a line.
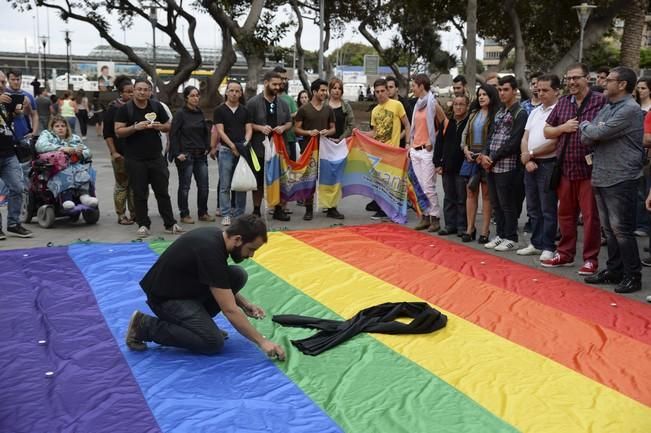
380,318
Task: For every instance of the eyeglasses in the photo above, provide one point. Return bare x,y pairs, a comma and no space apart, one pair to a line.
272,106
574,78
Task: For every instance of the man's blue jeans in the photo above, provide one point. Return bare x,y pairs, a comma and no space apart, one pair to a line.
542,205
188,323
197,165
227,163
616,206
11,174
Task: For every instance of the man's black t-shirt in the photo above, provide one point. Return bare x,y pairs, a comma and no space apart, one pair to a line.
145,144
234,122
189,267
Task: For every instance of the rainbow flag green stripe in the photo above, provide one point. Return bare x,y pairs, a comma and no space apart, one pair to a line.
364,385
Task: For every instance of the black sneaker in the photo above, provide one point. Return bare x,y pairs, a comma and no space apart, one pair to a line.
630,284
646,261
372,206
20,231
3,236
309,213
280,215
334,213
604,277
379,215
133,339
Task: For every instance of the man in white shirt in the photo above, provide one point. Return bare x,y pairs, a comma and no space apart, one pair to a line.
538,154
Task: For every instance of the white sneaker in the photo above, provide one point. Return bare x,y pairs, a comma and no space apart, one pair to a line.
142,232
493,243
546,255
68,204
529,250
226,221
506,245
175,230
87,200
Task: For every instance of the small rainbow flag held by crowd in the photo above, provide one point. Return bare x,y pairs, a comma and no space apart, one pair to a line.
377,171
287,180
332,162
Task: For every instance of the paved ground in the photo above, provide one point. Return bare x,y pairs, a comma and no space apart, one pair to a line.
107,229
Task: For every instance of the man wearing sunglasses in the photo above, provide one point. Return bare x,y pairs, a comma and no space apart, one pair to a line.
575,188
269,114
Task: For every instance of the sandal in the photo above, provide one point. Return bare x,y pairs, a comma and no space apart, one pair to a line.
123,220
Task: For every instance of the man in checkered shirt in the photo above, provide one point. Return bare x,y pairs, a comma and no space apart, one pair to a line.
575,189
501,160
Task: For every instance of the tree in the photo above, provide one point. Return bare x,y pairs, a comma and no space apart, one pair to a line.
470,43
351,53
632,36
94,13
254,37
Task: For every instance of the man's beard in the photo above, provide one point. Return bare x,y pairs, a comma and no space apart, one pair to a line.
236,254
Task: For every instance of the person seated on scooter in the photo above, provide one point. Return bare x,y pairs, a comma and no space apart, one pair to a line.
75,177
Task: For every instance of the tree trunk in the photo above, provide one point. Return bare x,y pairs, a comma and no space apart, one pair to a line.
254,63
520,65
470,65
300,53
225,64
632,36
596,28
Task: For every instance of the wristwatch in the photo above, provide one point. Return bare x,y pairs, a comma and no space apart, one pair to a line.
531,154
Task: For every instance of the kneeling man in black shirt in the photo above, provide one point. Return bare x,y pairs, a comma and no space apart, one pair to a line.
192,282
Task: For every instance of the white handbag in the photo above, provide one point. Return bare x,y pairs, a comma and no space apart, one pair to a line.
243,177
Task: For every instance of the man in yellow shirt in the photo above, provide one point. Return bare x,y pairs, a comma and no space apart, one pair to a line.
387,116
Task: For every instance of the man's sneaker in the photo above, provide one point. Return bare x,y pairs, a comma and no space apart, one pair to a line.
142,232
630,284
379,215
174,230
206,218
506,245
529,250
226,221
604,277
334,213
494,243
646,261
424,223
133,340
372,206
280,215
20,231
309,213
589,268
3,236
640,233
546,255
648,298
187,220
556,261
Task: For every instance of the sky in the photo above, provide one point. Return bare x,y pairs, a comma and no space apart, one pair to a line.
20,30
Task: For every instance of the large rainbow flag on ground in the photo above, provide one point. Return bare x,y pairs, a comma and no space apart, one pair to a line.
523,351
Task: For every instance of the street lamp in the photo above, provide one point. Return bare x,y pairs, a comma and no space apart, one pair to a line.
153,20
321,37
44,43
583,11
68,41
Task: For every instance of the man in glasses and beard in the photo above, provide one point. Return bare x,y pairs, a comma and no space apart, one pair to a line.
269,114
191,282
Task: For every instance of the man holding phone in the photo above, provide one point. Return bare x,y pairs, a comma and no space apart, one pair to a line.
24,104
11,172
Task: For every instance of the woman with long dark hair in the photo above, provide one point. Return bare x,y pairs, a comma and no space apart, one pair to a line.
82,112
473,141
189,147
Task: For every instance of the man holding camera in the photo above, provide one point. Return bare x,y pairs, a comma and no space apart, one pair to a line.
11,172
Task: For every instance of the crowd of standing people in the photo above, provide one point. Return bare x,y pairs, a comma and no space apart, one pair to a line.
575,154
